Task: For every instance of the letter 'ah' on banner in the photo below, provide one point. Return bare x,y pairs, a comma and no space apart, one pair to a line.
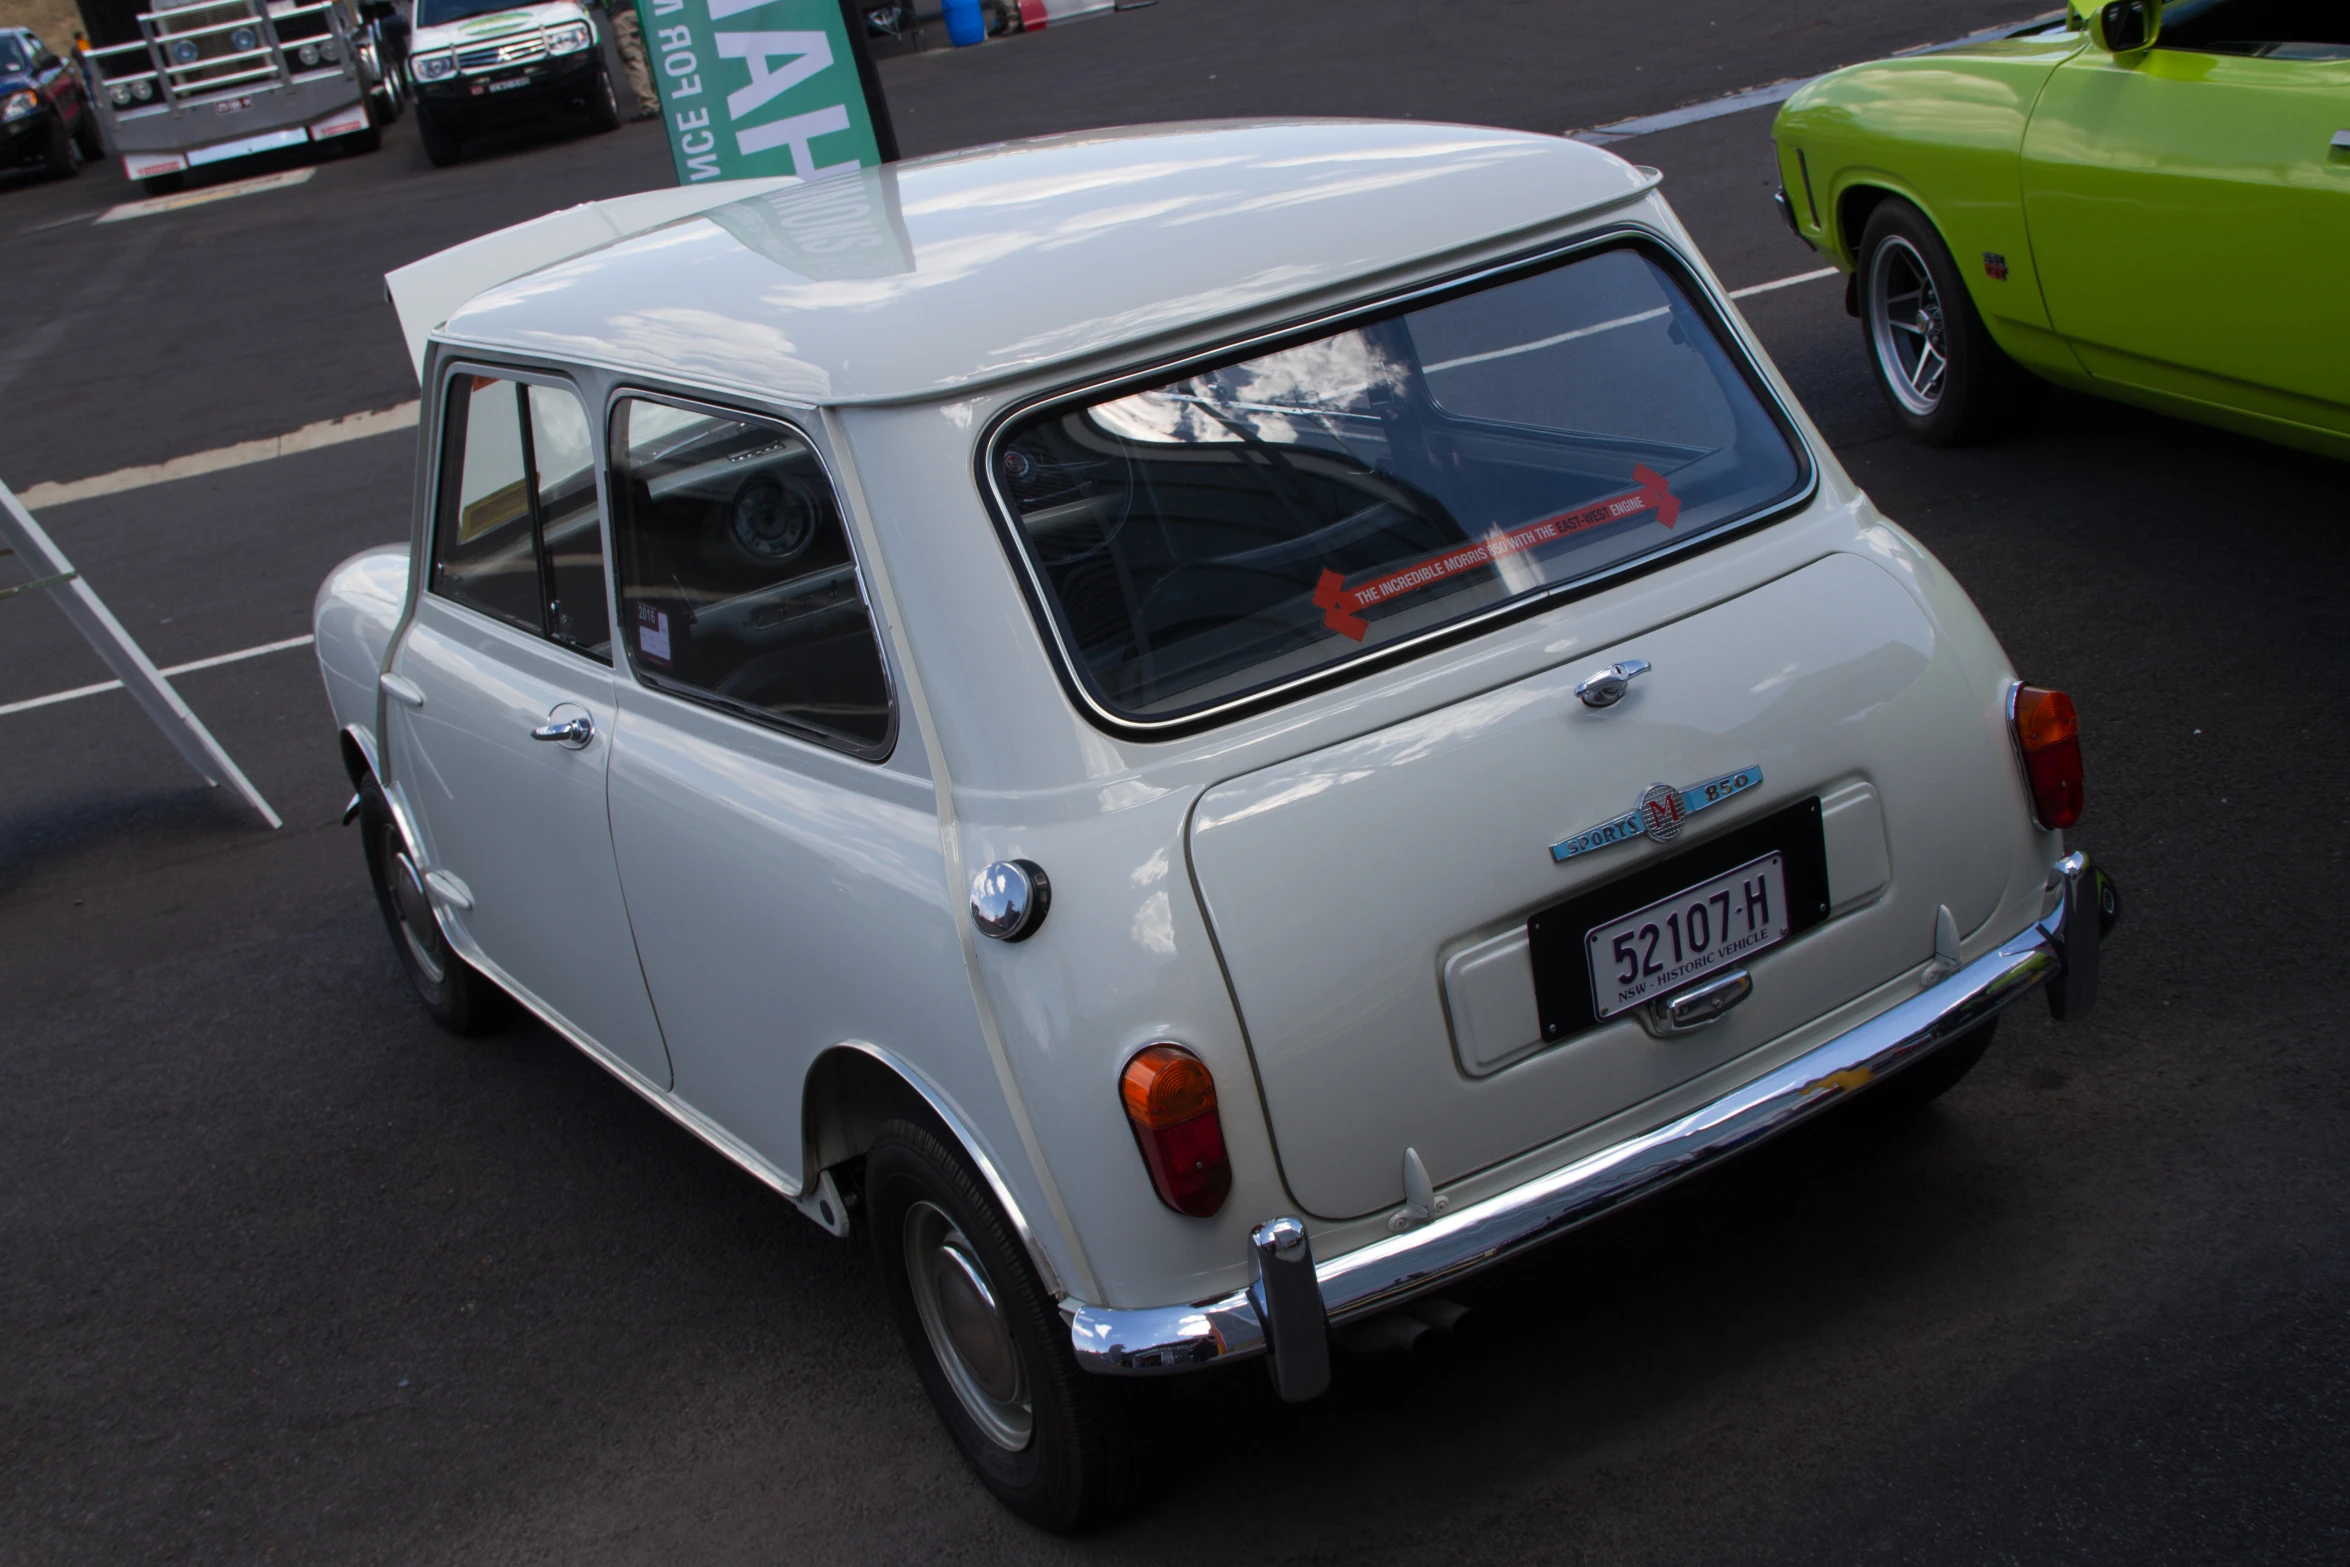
751,88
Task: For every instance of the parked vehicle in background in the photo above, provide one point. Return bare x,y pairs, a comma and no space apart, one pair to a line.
2148,200
45,116
483,65
1198,731
207,81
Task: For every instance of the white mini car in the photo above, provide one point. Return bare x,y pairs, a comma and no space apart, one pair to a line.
1199,731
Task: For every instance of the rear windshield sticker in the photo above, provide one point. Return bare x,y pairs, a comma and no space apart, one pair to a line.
652,634
1342,606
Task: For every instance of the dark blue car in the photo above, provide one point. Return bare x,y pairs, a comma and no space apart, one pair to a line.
45,118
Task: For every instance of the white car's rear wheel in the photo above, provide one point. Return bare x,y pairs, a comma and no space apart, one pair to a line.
1058,1445
966,1327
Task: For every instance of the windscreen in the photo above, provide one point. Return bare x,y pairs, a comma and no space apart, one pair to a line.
440,13
1245,526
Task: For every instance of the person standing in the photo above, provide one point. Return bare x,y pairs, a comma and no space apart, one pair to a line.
628,38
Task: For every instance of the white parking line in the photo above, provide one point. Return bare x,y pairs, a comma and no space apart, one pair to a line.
205,196
1752,289
1712,109
309,438
103,686
1771,92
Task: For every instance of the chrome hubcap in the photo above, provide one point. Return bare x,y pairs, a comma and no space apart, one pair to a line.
966,1328
413,905
1906,326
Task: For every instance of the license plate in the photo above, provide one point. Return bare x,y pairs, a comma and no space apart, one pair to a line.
510,83
1652,951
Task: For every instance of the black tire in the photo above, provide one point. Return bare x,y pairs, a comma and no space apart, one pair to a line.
64,160
452,990
603,111
440,143
366,141
1939,1073
1060,1446
86,137
1943,377
163,184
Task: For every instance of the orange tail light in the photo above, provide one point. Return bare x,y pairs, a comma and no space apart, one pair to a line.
2048,734
1170,1101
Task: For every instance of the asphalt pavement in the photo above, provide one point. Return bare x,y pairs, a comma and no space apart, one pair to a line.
291,1276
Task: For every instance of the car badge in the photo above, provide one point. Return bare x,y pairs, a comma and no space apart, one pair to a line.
1660,813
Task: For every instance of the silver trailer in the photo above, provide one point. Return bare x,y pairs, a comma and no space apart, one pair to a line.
212,80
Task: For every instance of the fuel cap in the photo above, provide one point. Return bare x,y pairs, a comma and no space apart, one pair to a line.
1009,899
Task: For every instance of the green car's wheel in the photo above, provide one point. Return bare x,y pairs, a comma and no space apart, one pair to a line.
1941,374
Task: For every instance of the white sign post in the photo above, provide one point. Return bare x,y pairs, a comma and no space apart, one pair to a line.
131,666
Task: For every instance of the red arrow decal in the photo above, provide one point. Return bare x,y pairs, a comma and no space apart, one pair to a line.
1342,606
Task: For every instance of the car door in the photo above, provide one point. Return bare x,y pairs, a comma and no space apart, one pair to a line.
782,862
2189,207
499,711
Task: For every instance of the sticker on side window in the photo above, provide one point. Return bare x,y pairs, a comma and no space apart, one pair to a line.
1342,606
652,634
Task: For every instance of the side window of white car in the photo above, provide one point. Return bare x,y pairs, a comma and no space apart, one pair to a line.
518,535
738,586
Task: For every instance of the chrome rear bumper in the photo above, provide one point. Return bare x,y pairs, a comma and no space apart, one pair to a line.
2059,951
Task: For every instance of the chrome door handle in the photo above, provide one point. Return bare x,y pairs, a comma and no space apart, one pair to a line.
1606,687
572,734
402,687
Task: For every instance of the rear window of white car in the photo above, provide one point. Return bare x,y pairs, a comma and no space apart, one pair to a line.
1211,537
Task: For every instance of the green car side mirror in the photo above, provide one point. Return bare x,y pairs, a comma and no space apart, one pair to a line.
2125,26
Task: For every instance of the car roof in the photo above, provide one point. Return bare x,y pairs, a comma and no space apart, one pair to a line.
941,274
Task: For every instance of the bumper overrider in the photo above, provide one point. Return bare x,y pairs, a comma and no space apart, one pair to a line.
1288,1311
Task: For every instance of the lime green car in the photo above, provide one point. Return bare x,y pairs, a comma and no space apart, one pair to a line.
2148,200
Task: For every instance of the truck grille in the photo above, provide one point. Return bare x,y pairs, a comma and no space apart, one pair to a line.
514,51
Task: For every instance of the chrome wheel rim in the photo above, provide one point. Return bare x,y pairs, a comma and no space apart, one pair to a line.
1906,326
966,1328
412,906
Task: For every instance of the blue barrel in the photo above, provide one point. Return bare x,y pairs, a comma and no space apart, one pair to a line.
964,23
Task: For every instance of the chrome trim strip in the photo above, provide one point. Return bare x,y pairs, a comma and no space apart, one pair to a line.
1150,1341
366,744
944,1108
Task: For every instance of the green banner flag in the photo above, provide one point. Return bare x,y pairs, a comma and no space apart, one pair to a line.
760,87
831,230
